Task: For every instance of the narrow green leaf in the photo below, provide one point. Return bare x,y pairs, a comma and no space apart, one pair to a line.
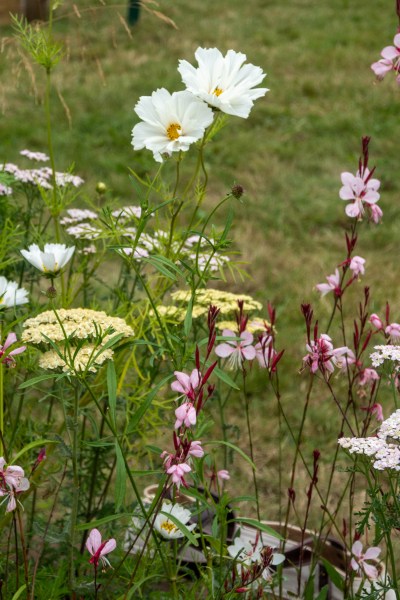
40,378
19,592
323,593
225,378
259,525
309,589
141,411
102,521
334,576
120,481
32,445
186,532
112,390
235,448
187,325
160,267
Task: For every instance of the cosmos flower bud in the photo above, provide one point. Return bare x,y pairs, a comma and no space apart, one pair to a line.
237,191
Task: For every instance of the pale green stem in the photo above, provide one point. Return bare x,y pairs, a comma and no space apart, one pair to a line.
75,494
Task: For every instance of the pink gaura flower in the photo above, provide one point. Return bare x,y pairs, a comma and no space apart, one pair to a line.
236,350
195,449
333,285
376,213
99,549
264,351
186,384
368,376
12,482
223,474
7,357
358,561
393,331
357,265
342,358
390,60
185,415
375,409
361,190
324,357
376,321
178,474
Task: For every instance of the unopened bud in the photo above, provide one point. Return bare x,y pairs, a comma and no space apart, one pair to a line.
51,292
101,187
237,191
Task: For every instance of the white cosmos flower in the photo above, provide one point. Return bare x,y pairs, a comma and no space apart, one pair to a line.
51,260
223,81
11,294
167,528
171,122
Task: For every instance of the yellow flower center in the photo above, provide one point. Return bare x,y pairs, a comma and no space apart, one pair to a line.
168,526
217,92
174,131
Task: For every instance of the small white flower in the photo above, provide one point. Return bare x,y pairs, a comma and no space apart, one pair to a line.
127,212
5,190
11,294
38,156
171,122
167,528
51,260
76,215
223,81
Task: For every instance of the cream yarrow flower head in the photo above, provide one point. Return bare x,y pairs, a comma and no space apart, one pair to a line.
74,324
51,260
88,358
170,122
223,81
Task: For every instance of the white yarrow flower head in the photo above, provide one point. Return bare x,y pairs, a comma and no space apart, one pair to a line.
223,81
166,527
10,294
51,260
170,122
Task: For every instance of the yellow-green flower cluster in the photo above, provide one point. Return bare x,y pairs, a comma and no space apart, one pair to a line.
80,335
227,302
74,323
254,326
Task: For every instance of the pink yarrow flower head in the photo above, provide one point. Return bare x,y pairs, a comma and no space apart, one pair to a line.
358,562
6,355
186,384
236,350
390,60
362,192
357,266
185,415
12,482
333,285
98,549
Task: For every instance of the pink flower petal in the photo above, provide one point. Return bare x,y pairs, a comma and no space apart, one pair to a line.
224,350
94,541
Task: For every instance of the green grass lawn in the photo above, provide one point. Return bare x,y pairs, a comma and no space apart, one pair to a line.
288,155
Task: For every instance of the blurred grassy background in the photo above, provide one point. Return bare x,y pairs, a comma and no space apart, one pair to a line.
288,155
